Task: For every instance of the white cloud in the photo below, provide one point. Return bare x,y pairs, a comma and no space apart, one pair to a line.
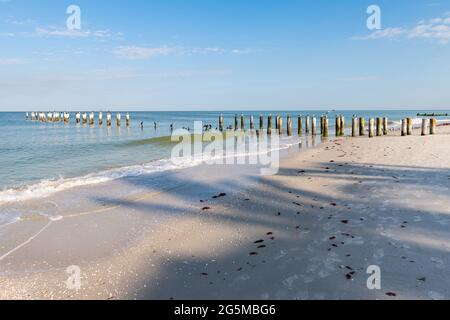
43,32
437,29
17,22
390,33
12,61
138,53
240,51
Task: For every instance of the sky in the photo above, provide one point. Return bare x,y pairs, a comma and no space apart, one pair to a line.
224,55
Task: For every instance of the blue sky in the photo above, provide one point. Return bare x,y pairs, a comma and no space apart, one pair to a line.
217,54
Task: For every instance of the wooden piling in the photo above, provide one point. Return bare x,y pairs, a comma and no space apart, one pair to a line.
252,126
221,122
119,119
242,122
108,119
379,127
404,127
362,126
78,117
371,127
338,126
84,117
269,124
26,116
307,124
91,119
354,126
280,125
409,124
433,124
342,126
325,127
127,118
314,125
385,126
100,118
300,124
261,122
289,126
321,124
424,127
236,122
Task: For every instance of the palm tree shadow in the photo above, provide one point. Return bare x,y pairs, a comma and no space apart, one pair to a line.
323,243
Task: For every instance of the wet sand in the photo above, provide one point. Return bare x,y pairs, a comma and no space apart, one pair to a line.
309,232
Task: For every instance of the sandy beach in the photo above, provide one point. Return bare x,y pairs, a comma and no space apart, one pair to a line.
211,232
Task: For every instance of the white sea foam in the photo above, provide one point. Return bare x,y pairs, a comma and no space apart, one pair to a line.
47,187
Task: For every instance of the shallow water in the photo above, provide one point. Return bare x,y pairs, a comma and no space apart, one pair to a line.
37,159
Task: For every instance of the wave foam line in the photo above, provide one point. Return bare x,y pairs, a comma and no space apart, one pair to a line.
47,187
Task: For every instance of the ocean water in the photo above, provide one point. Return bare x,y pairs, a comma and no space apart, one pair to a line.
37,159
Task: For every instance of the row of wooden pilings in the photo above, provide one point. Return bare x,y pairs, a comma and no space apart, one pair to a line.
376,127
83,118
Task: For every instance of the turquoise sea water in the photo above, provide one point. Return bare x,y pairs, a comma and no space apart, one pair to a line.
35,155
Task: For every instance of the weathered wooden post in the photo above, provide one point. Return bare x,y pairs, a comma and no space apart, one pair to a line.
269,124
321,124
91,119
379,127
325,127
354,125
289,126
314,125
221,122
280,125
433,124
108,119
307,124
100,118
78,117
300,125
127,117
371,127
424,127
342,126
409,128
362,126
242,122
119,119
385,126
277,122
236,122
261,122
26,116
67,117
404,127
84,117
338,126
252,126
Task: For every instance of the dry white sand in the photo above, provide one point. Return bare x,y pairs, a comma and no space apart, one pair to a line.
308,233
